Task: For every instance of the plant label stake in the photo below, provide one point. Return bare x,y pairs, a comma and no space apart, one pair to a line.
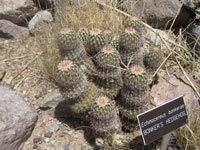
161,120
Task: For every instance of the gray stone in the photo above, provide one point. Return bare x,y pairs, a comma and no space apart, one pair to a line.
176,85
16,11
53,127
35,146
157,13
155,38
9,30
67,144
36,140
84,147
48,134
51,100
193,37
192,4
17,120
40,17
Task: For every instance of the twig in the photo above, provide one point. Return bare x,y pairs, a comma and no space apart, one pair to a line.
18,84
162,64
10,59
129,61
195,89
20,71
175,17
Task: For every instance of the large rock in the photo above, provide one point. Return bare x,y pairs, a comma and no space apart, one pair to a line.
40,17
157,13
192,4
17,120
171,87
9,30
16,10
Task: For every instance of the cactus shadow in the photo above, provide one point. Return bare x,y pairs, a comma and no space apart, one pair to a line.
64,115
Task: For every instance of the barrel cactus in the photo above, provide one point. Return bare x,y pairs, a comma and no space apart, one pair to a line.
134,95
153,58
130,45
133,22
130,40
115,42
76,90
67,40
108,35
108,71
81,105
96,40
104,117
83,34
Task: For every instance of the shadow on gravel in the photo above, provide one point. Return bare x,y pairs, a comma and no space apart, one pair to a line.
65,115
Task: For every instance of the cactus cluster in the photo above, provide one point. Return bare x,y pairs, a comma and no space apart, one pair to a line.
89,95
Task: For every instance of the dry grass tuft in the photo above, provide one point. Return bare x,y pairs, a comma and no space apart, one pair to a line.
188,137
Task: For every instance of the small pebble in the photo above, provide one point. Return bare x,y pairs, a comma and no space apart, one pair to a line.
66,147
35,146
69,132
83,147
48,134
76,136
36,140
66,131
53,127
46,140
